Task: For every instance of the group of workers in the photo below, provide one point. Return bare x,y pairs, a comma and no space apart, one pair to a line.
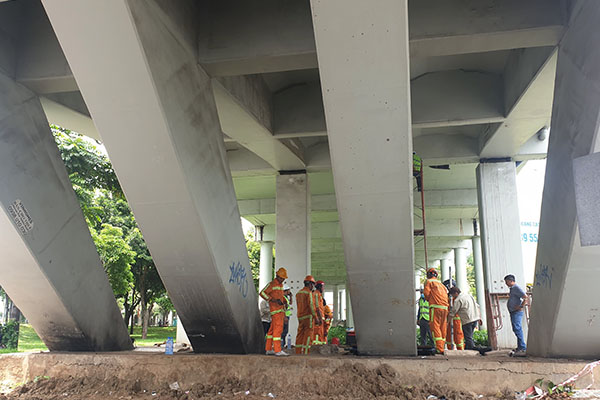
449,317
314,315
447,314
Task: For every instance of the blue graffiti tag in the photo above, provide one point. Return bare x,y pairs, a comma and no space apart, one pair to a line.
239,277
543,277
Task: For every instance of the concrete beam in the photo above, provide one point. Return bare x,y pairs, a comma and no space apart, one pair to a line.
244,107
459,97
564,319
50,267
130,61
240,38
67,117
529,88
357,36
439,99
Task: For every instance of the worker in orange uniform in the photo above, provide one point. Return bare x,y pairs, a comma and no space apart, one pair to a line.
307,315
457,332
318,328
327,318
273,294
437,295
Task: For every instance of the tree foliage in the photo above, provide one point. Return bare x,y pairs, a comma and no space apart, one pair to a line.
127,261
117,257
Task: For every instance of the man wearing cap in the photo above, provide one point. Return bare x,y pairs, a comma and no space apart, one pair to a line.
273,294
307,315
287,305
437,296
319,328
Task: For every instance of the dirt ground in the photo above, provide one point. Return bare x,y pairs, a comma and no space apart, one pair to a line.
348,381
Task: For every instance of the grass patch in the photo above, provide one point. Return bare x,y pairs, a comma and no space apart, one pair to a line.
156,334
30,341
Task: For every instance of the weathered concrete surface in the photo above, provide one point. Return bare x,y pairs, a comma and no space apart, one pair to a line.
564,315
500,238
476,374
50,267
369,125
292,247
155,110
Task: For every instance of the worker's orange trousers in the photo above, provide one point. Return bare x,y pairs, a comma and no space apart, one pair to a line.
437,324
275,331
304,337
318,334
459,337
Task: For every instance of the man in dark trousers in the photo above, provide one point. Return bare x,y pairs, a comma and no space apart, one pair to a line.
423,321
516,301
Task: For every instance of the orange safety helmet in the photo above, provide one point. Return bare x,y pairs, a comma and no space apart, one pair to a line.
282,273
309,278
320,283
432,271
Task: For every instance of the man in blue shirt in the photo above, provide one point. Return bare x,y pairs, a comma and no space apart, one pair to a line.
516,301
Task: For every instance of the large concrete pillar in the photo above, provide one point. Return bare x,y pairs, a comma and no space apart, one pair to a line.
153,105
364,67
336,303
564,317
500,240
292,208
479,279
49,265
266,264
460,261
445,266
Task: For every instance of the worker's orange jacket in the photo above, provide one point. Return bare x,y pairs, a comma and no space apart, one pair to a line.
319,301
305,302
436,293
274,291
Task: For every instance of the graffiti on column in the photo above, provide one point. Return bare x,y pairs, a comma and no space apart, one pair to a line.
543,276
239,277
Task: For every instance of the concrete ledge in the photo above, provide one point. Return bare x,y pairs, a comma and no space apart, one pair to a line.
475,374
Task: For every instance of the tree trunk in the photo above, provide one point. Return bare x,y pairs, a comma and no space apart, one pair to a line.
144,303
15,313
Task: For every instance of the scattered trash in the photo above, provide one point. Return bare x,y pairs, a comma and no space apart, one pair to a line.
271,395
247,392
153,393
432,397
174,386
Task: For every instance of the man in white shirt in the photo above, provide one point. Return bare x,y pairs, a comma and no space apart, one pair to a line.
467,309
265,315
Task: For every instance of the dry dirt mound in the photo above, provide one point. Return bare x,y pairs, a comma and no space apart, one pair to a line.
351,380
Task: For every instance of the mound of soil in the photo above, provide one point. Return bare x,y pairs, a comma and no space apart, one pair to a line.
348,381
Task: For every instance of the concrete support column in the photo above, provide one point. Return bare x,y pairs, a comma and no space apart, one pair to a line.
460,261
479,279
135,63
49,265
445,266
369,129
564,314
336,303
292,208
266,264
349,314
500,240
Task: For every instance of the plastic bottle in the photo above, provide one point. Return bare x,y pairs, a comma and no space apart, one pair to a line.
169,346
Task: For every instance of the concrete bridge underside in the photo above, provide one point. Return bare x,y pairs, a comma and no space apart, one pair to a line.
211,110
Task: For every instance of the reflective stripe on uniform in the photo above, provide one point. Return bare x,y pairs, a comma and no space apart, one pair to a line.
277,339
457,318
278,311
277,288
269,336
438,306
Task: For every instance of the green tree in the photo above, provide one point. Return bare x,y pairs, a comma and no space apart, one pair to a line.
471,276
117,257
126,258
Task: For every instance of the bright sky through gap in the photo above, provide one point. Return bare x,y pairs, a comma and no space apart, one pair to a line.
530,187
